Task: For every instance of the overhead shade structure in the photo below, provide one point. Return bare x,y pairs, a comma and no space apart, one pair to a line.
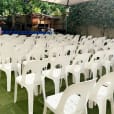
66,2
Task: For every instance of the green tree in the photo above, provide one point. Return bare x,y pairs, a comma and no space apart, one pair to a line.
97,13
9,7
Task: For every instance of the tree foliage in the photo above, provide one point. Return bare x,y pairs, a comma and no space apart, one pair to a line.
97,13
9,7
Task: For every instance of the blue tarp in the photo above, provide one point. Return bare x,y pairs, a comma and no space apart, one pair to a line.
24,32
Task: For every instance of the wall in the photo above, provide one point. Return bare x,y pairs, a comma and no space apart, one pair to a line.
95,31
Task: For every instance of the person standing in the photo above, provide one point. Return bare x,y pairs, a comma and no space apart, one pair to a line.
52,31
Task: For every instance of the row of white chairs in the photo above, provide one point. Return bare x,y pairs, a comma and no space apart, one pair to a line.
27,56
77,97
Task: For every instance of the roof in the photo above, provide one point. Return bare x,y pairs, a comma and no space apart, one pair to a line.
46,16
66,2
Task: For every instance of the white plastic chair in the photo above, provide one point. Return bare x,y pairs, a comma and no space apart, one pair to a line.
108,61
101,92
77,67
30,78
70,50
95,63
72,101
55,52
57,74
8,64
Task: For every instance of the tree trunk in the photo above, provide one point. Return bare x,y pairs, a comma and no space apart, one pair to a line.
13,21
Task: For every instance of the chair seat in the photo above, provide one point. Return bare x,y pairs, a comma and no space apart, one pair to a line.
54,100
69,68
29,79
6,66
70,106
102,92
55,73
9,66
46,72
78,68
74,68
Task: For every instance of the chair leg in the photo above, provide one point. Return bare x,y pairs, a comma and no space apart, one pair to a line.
0,73
90,103
94,73
77,77
36,90
56,83
85,110
66,81
60,82
45,109
107,68
86,73
30,100
16,73
90,74
40,88
74,80
8,73
113,67
15,92
112,105
19,69
100,71
102,107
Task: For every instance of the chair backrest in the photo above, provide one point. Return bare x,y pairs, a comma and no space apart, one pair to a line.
35,54
109,55
56,52
84,48
81,58
89,37
98,56
70,49
7,53
36,67
77,37
61,61
82,37
74,98
104,86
